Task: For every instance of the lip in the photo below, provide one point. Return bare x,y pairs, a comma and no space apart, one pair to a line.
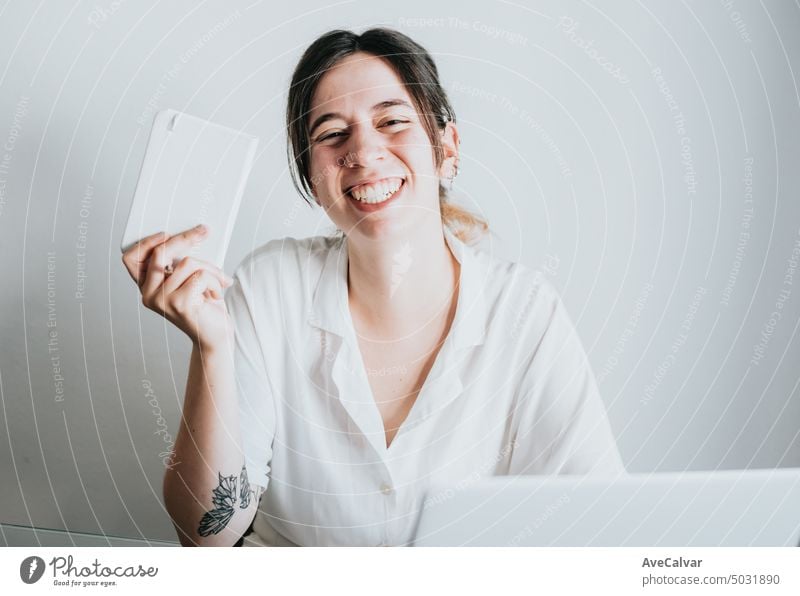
367,207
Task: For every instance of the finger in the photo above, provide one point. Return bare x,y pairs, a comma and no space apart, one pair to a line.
212,295
214,291
200,289
137,255
163,254
186,267
192,292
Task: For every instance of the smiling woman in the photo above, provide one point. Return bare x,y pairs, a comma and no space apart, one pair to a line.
418,117
346,375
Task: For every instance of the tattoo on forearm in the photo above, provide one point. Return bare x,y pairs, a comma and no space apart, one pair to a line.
225,499
245,492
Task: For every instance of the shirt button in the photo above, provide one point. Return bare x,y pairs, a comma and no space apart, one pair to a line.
386,489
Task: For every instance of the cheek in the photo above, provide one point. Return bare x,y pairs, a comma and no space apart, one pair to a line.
321,169
418,153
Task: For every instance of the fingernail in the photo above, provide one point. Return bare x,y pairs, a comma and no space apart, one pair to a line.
201,229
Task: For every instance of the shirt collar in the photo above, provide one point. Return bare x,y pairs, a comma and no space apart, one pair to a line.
330,303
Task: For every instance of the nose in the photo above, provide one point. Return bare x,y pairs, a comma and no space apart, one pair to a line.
364,147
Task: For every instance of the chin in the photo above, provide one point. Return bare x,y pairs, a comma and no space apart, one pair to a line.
379,227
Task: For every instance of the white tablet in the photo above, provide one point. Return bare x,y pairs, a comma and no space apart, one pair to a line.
194,172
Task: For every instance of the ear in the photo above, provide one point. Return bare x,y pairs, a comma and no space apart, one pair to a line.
450,141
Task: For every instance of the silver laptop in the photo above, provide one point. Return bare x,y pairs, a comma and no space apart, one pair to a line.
721,508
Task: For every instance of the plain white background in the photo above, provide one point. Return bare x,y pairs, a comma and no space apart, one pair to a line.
609,145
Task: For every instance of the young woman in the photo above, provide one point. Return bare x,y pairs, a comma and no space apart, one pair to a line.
343,376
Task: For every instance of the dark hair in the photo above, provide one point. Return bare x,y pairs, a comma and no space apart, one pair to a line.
416,69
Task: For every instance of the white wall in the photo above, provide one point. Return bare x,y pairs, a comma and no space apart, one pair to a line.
573,151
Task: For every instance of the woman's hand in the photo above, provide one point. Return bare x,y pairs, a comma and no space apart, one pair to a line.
190,296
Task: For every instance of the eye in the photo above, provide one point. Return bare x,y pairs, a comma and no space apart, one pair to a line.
393,122
329,136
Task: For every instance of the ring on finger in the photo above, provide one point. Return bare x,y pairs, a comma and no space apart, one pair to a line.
168,269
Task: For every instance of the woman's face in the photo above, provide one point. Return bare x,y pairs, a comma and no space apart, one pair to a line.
372,165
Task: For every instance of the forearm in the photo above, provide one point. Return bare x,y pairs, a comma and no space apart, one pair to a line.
206,491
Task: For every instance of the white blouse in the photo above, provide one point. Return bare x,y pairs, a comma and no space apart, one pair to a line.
510,392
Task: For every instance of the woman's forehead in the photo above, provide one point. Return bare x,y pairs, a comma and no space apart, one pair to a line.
357,82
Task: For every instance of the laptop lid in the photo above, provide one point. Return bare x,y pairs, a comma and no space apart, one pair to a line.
720,508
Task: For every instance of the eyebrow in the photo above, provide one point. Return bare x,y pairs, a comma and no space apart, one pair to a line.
378,106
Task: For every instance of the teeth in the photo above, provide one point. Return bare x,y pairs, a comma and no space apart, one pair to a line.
376,193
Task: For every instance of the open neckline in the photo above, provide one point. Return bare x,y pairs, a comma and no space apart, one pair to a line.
330,312
445,345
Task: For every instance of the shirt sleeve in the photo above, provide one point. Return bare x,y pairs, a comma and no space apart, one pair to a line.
561,425
254,394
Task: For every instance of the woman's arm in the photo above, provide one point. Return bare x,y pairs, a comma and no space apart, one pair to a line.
206,490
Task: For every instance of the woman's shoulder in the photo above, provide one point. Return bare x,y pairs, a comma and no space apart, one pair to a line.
521,300
514,281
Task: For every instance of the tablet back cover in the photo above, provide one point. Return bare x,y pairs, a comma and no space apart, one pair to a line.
193,172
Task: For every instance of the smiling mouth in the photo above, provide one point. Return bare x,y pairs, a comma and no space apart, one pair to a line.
373,194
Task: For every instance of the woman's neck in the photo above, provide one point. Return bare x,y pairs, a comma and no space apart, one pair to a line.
396,285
